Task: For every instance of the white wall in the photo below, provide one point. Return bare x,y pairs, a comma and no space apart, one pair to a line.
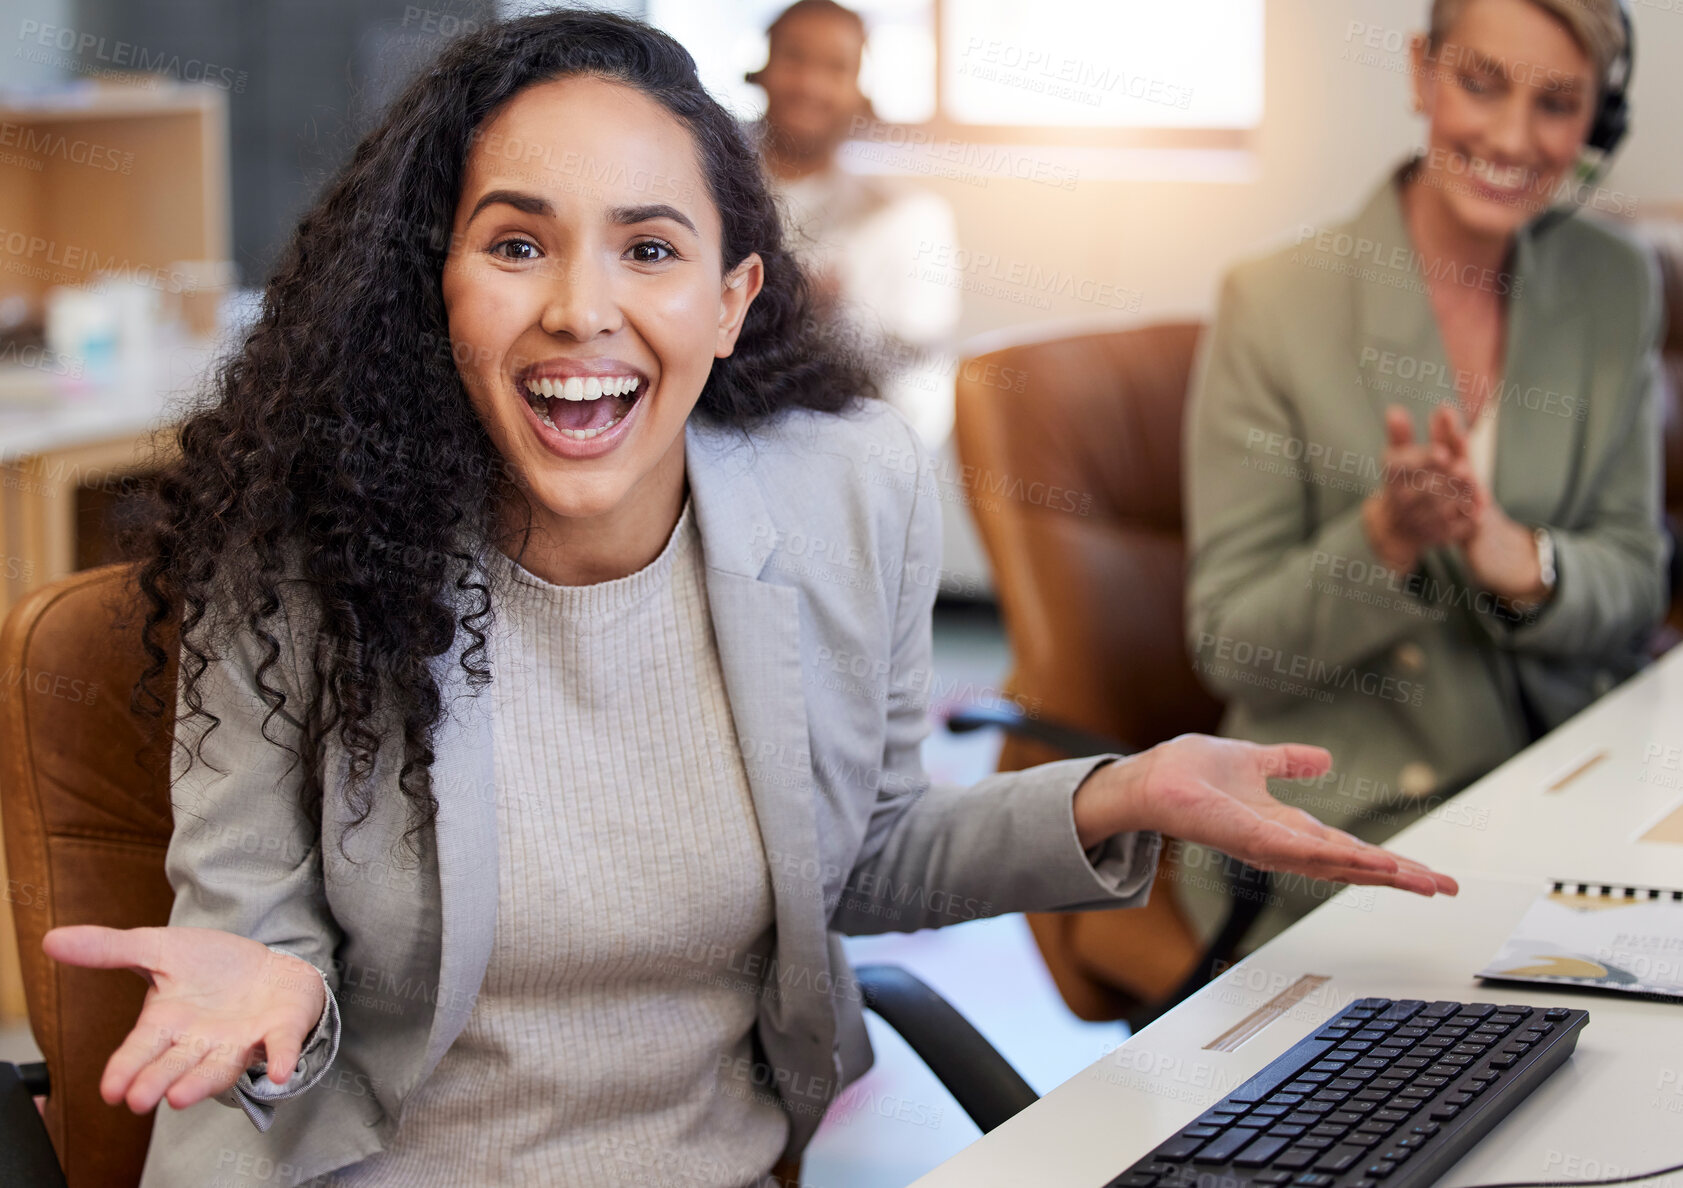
1332,127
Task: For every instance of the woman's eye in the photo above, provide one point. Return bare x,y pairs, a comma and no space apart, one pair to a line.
530,252
1474,85
648,251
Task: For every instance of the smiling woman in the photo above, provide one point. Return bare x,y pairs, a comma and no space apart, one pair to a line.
560,822
1478,357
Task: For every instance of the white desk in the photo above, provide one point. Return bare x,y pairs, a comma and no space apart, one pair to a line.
1614,1108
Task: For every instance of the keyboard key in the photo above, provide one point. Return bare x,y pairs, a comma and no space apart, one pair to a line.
1381,1169
1201,1132
1340,1159
1177,1148
1259,1152
1556,1014
1297,1157
1391,1116
1479,1009
1316,1143
1443,1113
1285,1131
1364,1183
1312,1180
1426,1129
1502,1061
1397,1154
1225,1147
1457,1098
1271,1177
1438,1010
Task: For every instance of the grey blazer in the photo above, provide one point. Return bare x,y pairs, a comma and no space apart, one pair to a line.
821,536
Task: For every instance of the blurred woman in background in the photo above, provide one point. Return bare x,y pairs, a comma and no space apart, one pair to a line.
1423,449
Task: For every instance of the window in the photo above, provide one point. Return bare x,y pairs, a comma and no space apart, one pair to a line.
1155,71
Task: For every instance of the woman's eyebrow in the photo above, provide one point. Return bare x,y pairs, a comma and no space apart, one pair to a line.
657,210
530,204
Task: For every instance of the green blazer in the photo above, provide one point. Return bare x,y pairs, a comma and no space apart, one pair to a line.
1417,685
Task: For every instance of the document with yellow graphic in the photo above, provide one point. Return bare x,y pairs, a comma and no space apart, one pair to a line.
1601,936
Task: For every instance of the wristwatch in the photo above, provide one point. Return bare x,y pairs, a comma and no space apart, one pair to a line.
1545,560
1523,608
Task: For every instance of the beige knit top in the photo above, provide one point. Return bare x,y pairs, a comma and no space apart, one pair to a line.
611,1041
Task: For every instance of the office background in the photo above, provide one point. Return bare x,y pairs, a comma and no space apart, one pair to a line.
1149,221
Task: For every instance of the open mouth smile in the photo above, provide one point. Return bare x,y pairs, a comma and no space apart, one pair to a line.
577,403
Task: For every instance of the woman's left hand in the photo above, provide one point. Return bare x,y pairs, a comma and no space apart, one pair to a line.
1502,557
1214,791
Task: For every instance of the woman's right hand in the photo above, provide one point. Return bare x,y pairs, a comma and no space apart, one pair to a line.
216,1002
1429,495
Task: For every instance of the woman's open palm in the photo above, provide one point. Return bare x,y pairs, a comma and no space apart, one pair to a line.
1215,791
217,1001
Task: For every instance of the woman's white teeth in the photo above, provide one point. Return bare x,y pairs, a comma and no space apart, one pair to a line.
574,388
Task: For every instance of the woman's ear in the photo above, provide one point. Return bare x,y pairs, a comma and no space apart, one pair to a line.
742,285
1423,75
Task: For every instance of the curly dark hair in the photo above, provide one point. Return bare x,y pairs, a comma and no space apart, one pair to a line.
313,462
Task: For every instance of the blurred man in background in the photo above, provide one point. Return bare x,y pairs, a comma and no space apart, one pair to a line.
861,236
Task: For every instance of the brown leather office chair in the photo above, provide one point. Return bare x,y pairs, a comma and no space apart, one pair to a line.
1071,450
84,794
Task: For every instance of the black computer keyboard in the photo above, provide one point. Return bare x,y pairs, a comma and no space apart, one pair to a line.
1384,1095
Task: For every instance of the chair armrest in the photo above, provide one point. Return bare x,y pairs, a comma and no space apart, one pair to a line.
981,1080
26,1151
1071,740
